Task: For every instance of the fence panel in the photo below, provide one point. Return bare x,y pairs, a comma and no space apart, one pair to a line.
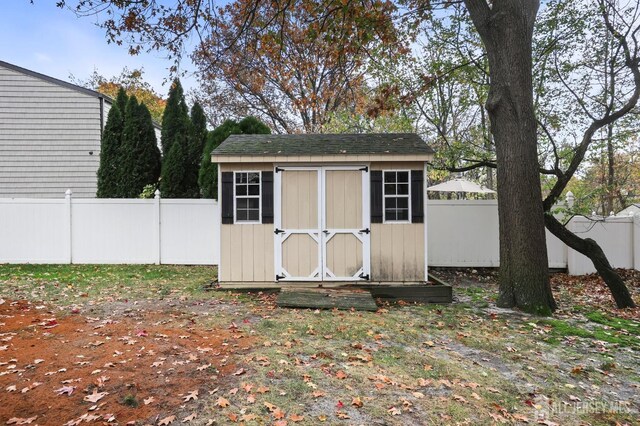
614,234
189,231
463,233
34,231
113,231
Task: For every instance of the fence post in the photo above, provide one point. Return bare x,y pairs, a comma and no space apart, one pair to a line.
157,227
67,198
636,241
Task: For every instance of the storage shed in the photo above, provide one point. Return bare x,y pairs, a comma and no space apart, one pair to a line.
322,209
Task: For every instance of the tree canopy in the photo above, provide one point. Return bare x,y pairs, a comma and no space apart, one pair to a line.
208,176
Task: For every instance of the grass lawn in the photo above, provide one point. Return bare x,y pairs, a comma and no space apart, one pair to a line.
157,345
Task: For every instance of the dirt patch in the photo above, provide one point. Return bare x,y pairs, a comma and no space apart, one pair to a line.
128,369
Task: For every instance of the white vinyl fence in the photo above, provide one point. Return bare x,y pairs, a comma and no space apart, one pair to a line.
464,233
109,231
461,233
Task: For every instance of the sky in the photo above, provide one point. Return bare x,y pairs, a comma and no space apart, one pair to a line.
53,41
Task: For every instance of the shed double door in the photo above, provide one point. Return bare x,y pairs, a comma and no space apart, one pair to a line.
322,223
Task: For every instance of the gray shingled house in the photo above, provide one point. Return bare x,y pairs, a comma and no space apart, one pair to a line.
49,135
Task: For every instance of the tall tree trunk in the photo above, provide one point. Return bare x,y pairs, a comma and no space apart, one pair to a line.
506,29
592,250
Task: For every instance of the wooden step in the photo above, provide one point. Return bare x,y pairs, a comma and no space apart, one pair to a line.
323,298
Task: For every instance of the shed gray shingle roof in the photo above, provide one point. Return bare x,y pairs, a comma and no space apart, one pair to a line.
324,144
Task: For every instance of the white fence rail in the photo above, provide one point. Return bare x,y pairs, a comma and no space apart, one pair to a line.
462,233
109,231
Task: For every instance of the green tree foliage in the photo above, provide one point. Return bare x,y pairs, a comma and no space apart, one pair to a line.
175,120
173,173
110,152
197,140
179,176
208,179
140,156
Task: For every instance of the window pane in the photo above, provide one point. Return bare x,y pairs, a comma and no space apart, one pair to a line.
390,214
390,203
241,177
403,203
241,189
254,178
389,189
403,215
254,189
403,189
403,177
241,203
389,176
241,214
253,214
254,203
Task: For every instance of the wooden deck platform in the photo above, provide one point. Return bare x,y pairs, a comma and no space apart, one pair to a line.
323,298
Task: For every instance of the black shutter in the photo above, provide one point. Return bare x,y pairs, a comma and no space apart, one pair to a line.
376,196
417,196
227,197
267,197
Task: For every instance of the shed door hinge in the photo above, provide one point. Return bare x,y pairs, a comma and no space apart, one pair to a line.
364,231
278,169
279,277
364,169
364,277
278,231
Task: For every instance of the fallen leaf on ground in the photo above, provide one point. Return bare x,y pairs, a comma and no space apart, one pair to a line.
21,421
95,396
222,402
166,421
65,390
189,418
193,395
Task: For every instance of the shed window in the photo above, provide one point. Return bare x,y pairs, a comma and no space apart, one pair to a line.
247,196
396,195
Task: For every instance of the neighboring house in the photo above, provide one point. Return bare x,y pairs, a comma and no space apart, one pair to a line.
49,135
629,211
322,210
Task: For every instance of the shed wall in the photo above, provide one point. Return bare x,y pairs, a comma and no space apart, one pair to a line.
46,134
397,250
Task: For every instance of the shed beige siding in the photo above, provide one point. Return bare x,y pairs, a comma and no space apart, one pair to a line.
246,253
397,252
47,133
397,249
246,249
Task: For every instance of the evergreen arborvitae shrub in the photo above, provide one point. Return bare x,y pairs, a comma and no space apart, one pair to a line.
140,160
208,177
175,119
176,130
130,140
110,152
173,173
149,158
197,139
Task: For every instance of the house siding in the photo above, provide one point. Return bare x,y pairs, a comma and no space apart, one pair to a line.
49,138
